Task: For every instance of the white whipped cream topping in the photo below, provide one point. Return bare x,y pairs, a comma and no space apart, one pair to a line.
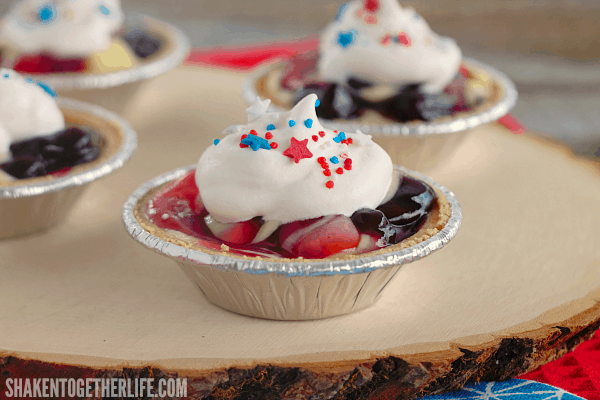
26,110
237,184
68,28
383,43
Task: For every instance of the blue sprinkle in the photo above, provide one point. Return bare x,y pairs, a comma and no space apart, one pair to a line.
341,136
29,80
47,89
341,11
317,103
104,10
270,127
334,160
256,142
216,142
6,76
308,123
292,123
345,39
46,13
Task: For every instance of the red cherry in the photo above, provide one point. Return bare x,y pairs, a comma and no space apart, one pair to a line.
240,232
320,237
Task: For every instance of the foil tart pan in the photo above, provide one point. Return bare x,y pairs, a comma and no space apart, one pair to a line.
294,290
417,145
115,90
32,205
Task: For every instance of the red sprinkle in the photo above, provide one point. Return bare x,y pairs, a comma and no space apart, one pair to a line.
274,145
253,132
329,184
325,165
340,170
242,145
268,135
244,136
321,160
327,172
404,39
348,161
335,131
315,138
321,133
349,140
348,166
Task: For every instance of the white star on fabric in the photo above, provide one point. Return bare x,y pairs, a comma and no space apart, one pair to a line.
515,389
258,108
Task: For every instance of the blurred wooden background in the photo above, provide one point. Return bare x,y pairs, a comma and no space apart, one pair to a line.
550,48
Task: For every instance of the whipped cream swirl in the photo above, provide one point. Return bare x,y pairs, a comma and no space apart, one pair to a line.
382,43
67,28
286,167
27,109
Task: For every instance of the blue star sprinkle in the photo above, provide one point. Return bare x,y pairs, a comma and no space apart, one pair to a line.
291,122
270,127
334,160
47,13
104,10
345,39
308,123
216,142
6,76
317,103
47,88
29,80
341,136
256,142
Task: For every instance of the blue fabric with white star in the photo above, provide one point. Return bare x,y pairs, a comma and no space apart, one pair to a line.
514,389
256,142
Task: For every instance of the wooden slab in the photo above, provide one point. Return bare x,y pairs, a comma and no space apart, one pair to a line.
518,287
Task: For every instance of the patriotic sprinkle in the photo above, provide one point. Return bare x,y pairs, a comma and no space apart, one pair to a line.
308,123
317,103
327,172
321,133
274,145
256,142
341,136
270,127
291,123
216,142
315,138
268,135
329,184
340,170
334,160
298,150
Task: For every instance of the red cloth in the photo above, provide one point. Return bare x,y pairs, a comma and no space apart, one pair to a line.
577,372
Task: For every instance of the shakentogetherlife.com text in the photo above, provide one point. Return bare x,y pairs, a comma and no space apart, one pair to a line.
95,387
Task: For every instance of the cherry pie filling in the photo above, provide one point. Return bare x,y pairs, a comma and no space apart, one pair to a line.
143,45
177,207
346,101
53,154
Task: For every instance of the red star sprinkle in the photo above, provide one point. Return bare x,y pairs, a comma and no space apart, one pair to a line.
298,150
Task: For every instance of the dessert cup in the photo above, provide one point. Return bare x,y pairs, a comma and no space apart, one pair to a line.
36,204
115,90
416,145
291,289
